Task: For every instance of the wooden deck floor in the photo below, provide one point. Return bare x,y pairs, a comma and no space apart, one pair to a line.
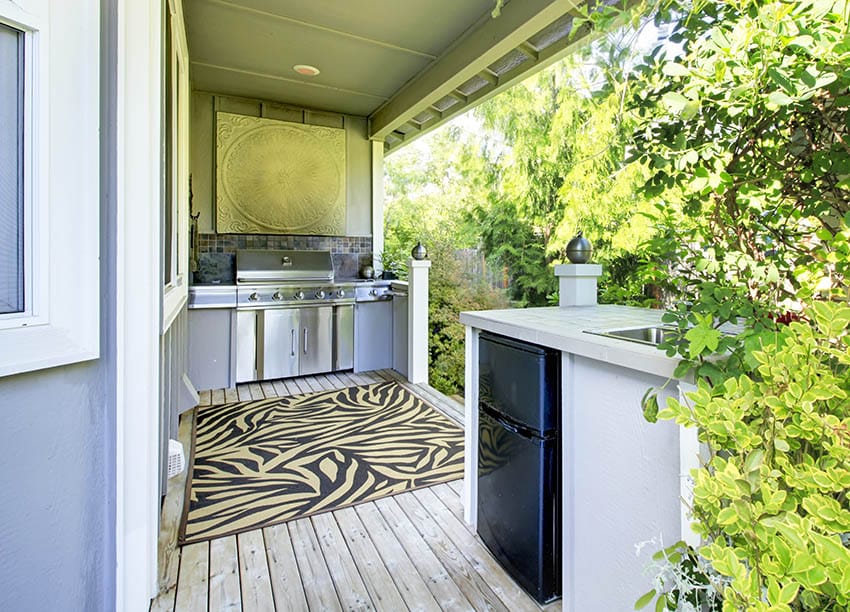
411,551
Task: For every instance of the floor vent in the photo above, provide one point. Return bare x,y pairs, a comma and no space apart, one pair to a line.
176,458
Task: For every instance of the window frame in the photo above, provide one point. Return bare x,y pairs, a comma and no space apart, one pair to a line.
9,319
175,292
60,323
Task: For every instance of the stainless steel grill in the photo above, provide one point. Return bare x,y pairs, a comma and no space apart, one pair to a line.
292,319
288,277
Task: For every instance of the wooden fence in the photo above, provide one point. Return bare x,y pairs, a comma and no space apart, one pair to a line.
474,265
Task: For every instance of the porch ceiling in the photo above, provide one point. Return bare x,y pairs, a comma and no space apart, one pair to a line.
409,66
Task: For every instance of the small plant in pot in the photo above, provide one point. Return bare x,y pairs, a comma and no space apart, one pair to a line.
391,263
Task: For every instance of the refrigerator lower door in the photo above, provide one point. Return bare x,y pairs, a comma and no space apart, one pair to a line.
519,503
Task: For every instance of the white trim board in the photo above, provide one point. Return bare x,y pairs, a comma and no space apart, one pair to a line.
138,119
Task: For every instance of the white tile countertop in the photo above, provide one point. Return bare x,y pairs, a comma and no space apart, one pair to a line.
564,328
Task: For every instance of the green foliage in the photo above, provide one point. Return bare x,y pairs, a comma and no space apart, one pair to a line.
430,188
452,292
683,579
510,240
746,129
772,502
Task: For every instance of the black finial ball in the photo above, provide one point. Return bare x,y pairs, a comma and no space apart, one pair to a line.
579,249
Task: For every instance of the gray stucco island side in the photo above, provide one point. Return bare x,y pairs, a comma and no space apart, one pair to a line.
623,478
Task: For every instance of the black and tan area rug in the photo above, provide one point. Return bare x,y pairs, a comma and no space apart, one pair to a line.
264,462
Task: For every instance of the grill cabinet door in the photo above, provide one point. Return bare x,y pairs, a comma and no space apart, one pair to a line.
278,353
316,340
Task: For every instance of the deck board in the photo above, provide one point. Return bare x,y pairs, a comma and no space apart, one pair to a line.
448,595
285,577
474,589
349,585
315,576
225,594
379,583
254,572
192,588
412,551
410,584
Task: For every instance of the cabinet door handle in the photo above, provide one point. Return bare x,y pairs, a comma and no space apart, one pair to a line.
305,340
292,347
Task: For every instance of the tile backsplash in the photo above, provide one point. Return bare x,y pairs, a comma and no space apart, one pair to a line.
217,253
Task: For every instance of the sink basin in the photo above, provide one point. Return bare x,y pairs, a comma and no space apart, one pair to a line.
653,335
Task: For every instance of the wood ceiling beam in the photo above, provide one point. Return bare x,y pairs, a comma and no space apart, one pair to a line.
547,57
489,76
527,50
488,41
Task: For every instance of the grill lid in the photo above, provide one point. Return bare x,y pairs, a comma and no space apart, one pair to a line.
262,266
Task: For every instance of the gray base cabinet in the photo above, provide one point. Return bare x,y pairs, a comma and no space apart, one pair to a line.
211,346
373,336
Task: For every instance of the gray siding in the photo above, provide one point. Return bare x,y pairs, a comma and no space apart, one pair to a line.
57,515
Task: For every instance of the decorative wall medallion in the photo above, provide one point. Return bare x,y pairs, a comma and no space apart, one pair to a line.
275,177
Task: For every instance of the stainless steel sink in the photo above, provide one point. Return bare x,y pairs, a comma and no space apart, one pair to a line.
653,335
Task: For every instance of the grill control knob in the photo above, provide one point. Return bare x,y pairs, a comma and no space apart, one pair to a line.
373,292
299,295
254,296
278,296
320,294
340,293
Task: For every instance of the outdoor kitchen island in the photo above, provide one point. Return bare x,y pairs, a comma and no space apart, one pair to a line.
622,477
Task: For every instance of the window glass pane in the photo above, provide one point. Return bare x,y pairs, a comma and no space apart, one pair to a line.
168,199
11,171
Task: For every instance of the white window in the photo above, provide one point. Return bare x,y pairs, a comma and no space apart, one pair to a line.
175,199
49,183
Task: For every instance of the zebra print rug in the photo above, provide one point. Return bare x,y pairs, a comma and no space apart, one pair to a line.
264,462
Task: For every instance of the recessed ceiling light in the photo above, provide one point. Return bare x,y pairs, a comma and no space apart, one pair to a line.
305,69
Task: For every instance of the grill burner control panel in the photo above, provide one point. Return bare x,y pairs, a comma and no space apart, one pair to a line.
264,296
377,293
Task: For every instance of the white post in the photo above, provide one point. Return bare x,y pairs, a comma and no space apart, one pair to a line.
417,320
377,201
470,430
577,284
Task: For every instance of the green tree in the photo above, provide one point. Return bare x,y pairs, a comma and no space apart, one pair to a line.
560,168
430,188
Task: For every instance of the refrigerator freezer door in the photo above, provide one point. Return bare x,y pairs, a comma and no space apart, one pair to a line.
519,516
521,381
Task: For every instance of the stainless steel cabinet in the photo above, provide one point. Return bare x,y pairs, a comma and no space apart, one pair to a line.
282,342
246,345
344,337
278,349
316,340
373,336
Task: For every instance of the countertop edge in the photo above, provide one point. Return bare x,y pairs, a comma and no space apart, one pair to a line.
622,353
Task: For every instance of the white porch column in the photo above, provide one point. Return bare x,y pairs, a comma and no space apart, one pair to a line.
417,320
577,284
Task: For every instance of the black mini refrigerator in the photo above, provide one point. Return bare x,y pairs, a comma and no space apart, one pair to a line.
519,461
